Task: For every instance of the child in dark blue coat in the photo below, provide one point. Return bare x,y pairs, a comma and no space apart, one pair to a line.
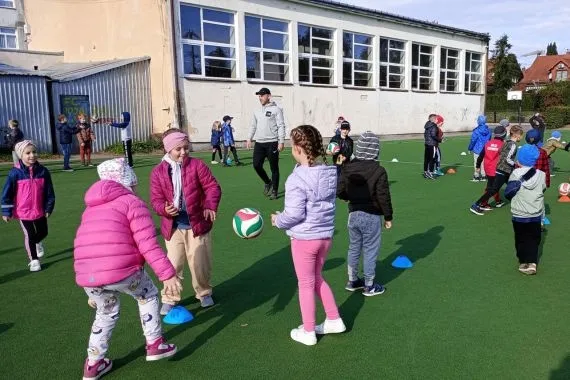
66,133
228,140
216,141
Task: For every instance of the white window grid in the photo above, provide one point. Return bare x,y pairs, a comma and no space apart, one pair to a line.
561,75
448,74
201,42
397,70
418,69
369,62
311,56
262,50
8,38
473,77
7,4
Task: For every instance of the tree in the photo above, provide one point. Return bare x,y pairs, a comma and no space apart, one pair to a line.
551,49
507,70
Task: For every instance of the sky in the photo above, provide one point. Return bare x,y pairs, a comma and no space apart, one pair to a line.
530,24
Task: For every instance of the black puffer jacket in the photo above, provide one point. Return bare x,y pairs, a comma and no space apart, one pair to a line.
430,134
364,184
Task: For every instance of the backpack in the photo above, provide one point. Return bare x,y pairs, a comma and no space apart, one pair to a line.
513,187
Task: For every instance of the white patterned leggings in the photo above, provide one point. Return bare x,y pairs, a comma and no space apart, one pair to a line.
140,287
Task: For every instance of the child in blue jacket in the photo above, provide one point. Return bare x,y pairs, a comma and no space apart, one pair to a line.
216,141
229,142
479,137
126,136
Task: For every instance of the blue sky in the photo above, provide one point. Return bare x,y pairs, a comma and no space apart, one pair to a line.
530,24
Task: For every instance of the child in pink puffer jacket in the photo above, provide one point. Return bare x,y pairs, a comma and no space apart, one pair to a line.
115,239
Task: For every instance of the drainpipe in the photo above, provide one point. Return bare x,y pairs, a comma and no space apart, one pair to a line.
177,111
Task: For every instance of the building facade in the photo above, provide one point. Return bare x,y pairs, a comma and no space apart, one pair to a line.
12,25
321,59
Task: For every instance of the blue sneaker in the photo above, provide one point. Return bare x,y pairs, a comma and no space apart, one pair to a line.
352,286
373,290
475,209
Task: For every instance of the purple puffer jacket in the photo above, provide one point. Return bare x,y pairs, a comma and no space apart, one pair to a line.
310,194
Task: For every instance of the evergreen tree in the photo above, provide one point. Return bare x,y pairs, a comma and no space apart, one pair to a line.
507,70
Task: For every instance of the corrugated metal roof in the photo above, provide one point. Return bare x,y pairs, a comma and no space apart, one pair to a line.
13,70
64,72
331,4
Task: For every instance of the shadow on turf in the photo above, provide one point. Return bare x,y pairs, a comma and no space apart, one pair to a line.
24,272
271,278
4,251
562,373
416,247
5,327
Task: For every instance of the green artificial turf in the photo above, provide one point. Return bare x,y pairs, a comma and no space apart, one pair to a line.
462,312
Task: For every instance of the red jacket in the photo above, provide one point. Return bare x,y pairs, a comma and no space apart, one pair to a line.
492,153
200,188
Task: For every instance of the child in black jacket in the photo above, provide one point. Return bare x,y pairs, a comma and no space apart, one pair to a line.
345,144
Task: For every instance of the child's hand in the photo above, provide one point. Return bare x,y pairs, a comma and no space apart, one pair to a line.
6,218
274,218
82,144
387,224
92,303
172,286
210,215
170,209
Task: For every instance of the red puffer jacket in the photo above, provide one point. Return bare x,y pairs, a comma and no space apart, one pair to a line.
200,188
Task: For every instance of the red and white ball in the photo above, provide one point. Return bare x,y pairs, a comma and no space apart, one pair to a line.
564,189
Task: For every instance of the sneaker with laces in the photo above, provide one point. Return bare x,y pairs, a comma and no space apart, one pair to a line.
330,326
214,162
476,178
523,268
428,175
300,335
165,308
530,269
273,196
476,209
159,350
267,189
40,250
207,301
485,207
353,286
483,178
499,204
373,290
35,266
95,371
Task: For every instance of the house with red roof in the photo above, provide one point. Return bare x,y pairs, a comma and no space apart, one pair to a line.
544,70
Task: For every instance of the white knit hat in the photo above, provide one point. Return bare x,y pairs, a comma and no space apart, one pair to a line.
117,170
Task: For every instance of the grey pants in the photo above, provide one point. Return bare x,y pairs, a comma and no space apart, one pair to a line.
364,231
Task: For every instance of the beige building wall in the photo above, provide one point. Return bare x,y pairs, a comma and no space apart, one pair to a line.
90,30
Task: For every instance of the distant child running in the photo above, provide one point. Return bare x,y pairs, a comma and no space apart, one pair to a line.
439,122
186,195
14,136
479,137
430,142
28,195
550,147
503,170
85,136
308,218
364,184
228,141
126,135
115,239
216,141
527,208
66,133
345,144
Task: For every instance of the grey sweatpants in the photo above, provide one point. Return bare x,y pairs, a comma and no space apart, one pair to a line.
364,231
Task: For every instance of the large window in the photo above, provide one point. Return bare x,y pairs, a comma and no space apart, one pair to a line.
357,60
267,49
449,70
316,54
208,42
7,4
561,75
392,63
8,39
473,69
422,67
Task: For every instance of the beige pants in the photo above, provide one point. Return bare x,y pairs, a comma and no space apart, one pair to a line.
198,251
475,157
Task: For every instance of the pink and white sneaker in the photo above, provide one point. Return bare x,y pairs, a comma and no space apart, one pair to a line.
95,371
159,350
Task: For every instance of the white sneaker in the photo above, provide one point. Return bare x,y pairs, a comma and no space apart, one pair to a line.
214,162
300,335
331,326
40,250
35,266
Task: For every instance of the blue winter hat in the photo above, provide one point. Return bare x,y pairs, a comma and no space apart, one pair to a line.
556,135
528,155
532,136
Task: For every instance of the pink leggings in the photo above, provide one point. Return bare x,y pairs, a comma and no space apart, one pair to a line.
309,257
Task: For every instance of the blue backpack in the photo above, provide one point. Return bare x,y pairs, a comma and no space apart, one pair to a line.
513,187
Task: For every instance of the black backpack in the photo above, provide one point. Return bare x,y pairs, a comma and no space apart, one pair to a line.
513,187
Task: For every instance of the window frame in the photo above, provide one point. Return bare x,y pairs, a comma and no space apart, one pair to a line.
418,67
443,71
13,6
353,60
261,50
561,75
311,56
468,73
5,35
389,64
201,43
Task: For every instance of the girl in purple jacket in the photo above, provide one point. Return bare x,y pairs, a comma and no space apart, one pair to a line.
308,218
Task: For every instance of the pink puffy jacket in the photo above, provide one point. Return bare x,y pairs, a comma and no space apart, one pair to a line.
116,237
200,188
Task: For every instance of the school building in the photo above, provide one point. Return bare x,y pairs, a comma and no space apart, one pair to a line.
320,58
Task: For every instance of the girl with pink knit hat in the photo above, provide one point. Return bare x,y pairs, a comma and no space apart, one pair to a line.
115,239
186,195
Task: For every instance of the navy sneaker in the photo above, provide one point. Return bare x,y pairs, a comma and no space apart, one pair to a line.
475,209
373,290
353,286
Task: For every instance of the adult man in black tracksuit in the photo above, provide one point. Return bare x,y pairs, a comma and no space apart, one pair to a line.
268,128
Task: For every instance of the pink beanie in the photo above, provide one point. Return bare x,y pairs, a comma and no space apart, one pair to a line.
174,140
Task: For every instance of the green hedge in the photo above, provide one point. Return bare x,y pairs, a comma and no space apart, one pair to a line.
555,94
557,117
499,102
149,146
